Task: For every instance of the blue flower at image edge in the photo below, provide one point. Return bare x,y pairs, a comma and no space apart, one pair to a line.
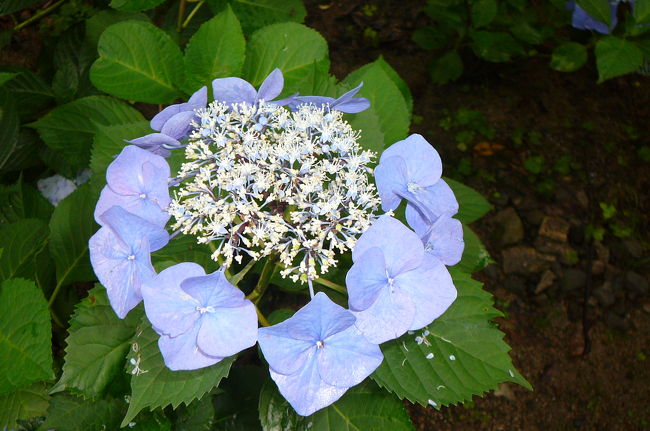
581,20
317,354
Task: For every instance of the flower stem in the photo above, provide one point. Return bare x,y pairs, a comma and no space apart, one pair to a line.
331,285
263,281
38,15
56,319
181,12
191,15
261,318
235,279
57,288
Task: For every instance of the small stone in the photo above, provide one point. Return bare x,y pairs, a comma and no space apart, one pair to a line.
633,247
646,307
614,321
525,260
555,228
505,391
562,250
534,217
635,284
598,267
509,228
574,279
546,281
582,198
602,252
604,294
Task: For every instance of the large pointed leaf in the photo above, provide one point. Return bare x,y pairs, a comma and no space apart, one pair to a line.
616,56
21,241
8,127
25,335
472,205
363,407
461,354
20,201
97,346
71,226
255,14
386,99
155,385
70,128
216,50
138,61
23,404
30,89
70,413
475,256
291,47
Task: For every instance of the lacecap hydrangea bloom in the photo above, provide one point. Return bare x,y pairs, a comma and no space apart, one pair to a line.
285,181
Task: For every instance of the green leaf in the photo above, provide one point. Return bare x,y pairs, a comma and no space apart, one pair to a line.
21,241
430,38
71,227
29,143
483,12
184,248
615,57
25,335
70,413
291,47
398,81
363,407
525,32
216,50
30,89
385,98
97,346
641,11
463,354
600,10
138,61
96,24
158,386
568,57
24,404
472,205
368,123
255,14
109,142
8,127
236,402
495,46
11,6
197,416
20,201
134,5
475,256
449,67
70,128
7,76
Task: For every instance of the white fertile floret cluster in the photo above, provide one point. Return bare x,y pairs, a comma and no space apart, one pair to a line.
263,180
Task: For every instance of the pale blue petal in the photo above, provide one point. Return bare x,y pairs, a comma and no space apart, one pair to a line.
319,319
402,248
434,201
423,163
390,316
56,188
233,90
318,101
353,106
198,100
444,240
179,125
431,289
284,353
120,267
271,87
181,353
391,180
305,390
214,290
347,358
131,228
145,208
169,309
161,118
227,331
124,175
154,143
365,279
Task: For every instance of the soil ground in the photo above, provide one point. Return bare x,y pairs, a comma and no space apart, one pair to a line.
577,309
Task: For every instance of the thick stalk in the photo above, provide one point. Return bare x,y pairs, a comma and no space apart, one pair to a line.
331,285
191,15
181,12
263,281
261,317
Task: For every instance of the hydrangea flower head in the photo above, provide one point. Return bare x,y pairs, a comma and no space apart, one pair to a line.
137,181
261,179
119,253
201,318
410,169
317,354
393,285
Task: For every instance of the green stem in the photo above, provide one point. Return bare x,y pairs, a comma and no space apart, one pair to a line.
56,291
181,11
191,15
38,15
264,280
56,319
235,279
331,285
261,318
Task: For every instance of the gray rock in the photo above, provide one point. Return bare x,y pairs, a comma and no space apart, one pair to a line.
573,279
546,281
562,250
635,284
633,247
525,260
509,229
614,321
604,294
535,217
555,228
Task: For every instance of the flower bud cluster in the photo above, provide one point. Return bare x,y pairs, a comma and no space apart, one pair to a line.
260,180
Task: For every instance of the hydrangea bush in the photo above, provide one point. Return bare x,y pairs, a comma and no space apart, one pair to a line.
274,251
